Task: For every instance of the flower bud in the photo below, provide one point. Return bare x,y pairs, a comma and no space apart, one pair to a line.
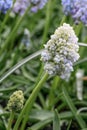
16,101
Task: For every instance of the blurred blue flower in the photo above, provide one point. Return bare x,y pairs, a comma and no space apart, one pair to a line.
67,6
37,4
26,38
77,8
21,5
5,5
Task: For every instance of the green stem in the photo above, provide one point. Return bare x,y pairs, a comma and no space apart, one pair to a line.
42,100
69,125
13,33
52,92
10,120
6,18
47,22
63,20
78,28
29,103
79,119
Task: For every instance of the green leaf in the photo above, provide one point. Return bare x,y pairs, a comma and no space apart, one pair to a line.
2,125
56,121
84,129
40,115
79,119
69,125
40,124
18,65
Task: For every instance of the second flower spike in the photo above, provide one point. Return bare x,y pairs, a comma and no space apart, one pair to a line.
16,101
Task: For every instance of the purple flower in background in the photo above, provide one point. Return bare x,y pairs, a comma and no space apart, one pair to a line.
37,4
21,5
67,6
5,5
77,8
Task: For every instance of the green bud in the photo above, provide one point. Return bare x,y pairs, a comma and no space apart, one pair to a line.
16,101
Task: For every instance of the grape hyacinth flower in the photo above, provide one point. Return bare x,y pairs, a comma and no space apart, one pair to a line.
21,5
16,101
67,6
61,52
77,8
37,4
5,5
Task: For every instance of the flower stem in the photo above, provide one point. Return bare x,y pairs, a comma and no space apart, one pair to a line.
6,18
63,20
79,119
13,33
47,22
78,28
10,120
29,103
52,92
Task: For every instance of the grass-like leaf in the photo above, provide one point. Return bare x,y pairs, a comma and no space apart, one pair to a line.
56,121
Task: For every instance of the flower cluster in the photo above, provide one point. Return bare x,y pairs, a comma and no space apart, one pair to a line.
77,8
67,6
5,5
21,5
16,101
37,4
61,51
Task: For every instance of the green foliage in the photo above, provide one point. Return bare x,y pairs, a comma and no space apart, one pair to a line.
47,104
